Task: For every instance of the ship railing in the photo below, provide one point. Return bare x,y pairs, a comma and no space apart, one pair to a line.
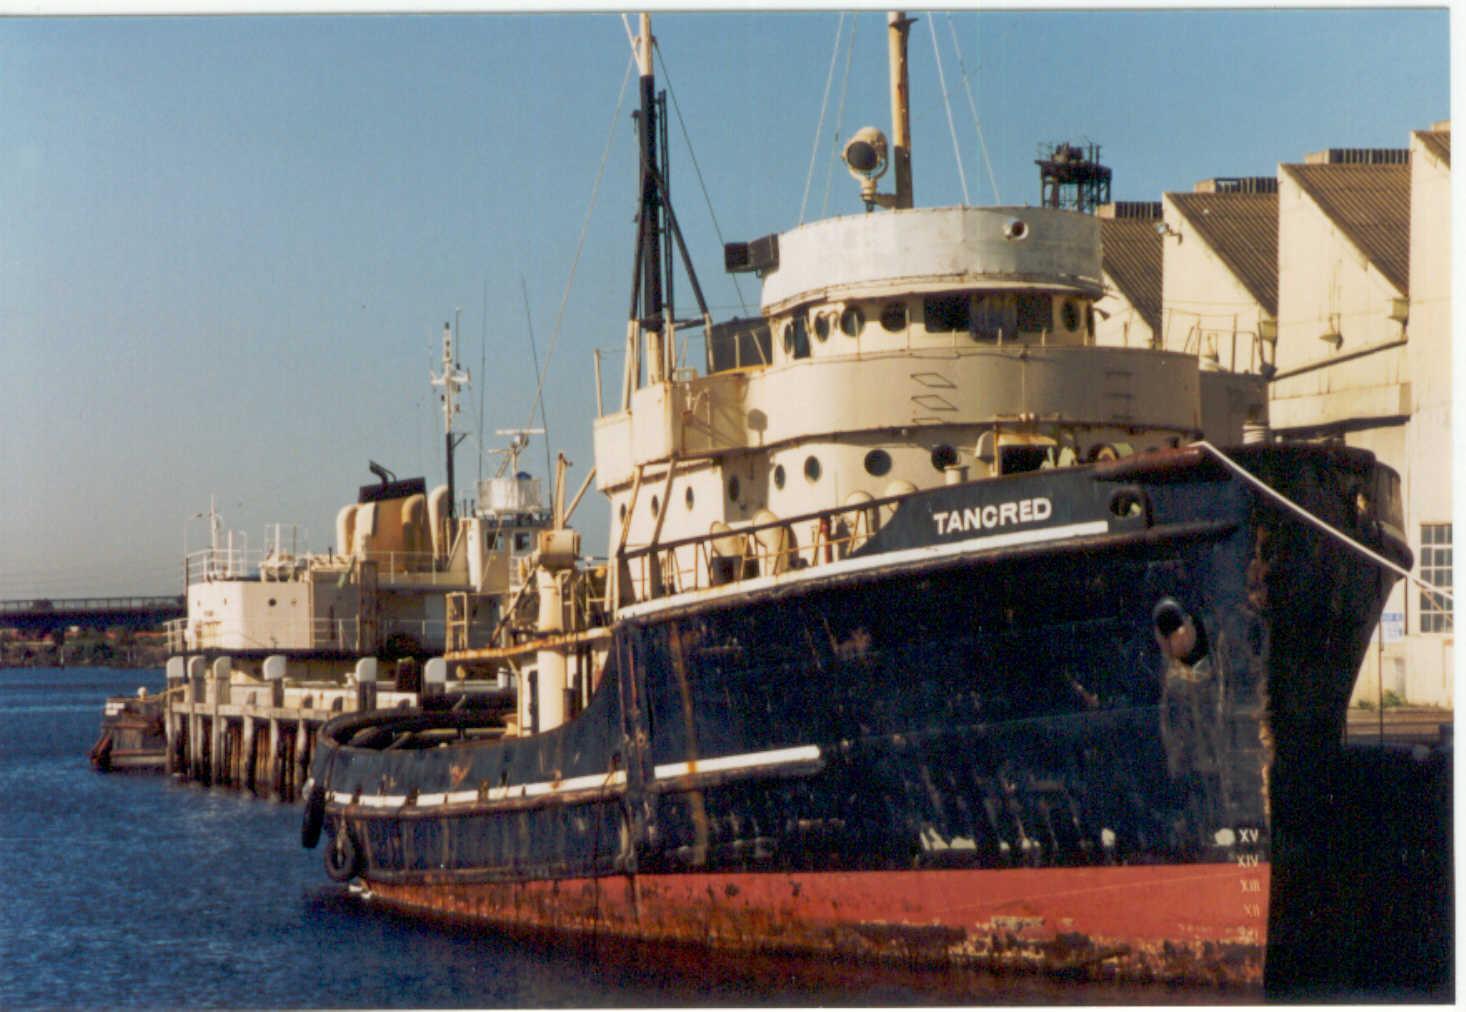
413,567
305,634
209,564
174,635
767,549
432,632
345,634
1225,344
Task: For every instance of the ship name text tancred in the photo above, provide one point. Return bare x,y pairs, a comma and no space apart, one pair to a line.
978,518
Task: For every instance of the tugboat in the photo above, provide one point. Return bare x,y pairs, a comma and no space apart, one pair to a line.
931,630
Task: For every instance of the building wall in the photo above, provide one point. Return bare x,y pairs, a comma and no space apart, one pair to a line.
1428,466
1117,322
1326,285
1383,386
1203,304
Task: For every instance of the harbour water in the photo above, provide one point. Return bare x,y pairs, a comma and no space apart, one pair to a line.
134,890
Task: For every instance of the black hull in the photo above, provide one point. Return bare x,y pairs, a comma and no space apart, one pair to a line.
969,706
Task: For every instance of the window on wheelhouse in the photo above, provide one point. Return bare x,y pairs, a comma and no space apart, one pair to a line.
740,343
994,317
1035,313
946,313
796,337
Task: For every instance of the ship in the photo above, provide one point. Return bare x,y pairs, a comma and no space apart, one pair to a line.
930,629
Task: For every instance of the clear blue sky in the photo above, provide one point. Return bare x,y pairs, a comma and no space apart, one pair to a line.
228,245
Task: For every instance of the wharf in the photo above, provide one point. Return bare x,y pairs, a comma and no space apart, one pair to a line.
1400,725
225,729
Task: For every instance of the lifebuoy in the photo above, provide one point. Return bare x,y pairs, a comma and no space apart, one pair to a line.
315,817
343,857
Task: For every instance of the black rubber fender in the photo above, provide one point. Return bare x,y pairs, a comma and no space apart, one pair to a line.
314,818
343,857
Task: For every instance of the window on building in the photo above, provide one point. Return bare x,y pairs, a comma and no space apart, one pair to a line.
1435,569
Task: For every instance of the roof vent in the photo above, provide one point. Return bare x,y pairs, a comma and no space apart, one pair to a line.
1144,210
1359,156
1238,184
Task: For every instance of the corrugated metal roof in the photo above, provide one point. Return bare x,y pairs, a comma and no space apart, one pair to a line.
1242,228
1131,256
1438,141
1371,205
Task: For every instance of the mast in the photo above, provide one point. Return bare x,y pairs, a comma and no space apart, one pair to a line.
650,218
898,27
652,312
451,380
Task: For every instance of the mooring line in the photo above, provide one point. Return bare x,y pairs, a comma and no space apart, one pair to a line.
1322,525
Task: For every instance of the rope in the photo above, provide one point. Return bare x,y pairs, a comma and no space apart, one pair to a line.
697,169
1429,588
967,87
579,247
820,126
839,115
947,104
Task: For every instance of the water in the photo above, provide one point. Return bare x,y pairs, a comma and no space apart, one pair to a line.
134,890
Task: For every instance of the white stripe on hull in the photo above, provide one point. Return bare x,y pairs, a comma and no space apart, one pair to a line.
595,781
866,563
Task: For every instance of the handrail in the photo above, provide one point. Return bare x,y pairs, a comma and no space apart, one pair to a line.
642,550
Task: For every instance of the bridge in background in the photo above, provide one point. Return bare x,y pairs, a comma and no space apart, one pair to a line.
46,615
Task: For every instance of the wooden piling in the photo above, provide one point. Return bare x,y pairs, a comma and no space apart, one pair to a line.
302,757
170,739
247,750
272,768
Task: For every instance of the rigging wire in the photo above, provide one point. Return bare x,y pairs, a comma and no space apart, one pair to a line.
931,24
697,169
544,416
820,126
483,376
580,244
972,105
839,115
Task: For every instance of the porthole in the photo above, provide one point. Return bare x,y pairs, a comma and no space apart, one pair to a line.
877,463
778,475
943,456
733,488
272,602
687,497
893,316
852,321
812,468
789,339
822,326
1069,315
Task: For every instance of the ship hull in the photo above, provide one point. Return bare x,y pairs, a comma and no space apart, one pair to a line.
1067,743
1080,921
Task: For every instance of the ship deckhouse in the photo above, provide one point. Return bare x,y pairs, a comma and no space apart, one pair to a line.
894,351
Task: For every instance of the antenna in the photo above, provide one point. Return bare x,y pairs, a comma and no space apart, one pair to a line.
451,380
518,441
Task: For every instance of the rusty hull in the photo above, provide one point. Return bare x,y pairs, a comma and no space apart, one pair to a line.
1198,924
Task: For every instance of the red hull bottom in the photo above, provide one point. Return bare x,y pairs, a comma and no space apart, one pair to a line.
1200,923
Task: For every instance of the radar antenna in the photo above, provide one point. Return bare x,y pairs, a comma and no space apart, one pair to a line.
519,439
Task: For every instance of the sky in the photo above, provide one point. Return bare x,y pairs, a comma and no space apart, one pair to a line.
228,245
